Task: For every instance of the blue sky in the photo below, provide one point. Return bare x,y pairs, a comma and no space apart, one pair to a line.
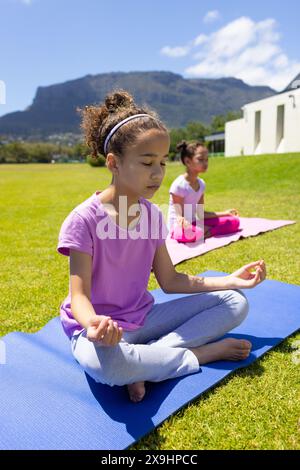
43,42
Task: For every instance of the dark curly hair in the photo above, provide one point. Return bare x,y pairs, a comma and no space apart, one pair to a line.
187,150
98,121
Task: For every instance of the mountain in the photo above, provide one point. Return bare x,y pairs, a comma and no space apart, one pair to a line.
177,100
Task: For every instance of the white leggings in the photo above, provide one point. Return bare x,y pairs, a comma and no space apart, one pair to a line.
158,350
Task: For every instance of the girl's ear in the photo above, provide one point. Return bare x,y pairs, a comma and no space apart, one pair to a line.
187,161
112,163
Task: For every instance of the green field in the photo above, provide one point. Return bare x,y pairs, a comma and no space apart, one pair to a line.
255,408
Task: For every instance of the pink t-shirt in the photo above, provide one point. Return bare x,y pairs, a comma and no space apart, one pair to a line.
121,261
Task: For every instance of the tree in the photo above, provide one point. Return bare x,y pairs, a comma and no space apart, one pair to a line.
176,136
80,150
196,131
12,153
219,121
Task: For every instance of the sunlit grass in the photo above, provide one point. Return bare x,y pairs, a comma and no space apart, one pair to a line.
256,408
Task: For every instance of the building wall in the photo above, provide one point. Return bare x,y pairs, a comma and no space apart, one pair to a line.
234,138
240,134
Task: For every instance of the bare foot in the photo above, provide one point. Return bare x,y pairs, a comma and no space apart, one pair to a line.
136,391
207,233
228,349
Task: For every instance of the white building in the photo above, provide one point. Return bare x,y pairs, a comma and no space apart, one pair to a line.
270,125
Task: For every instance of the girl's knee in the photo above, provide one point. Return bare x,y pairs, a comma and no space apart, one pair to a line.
242,306
238,306
235,223
107,365
91,360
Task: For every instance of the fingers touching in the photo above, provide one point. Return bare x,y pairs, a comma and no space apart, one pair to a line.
107,333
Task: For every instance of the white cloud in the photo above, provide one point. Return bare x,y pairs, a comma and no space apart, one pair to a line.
211,16
175,51
243,49
182,51
201,39
231,39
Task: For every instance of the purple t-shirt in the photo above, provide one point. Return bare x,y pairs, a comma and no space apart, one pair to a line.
121,261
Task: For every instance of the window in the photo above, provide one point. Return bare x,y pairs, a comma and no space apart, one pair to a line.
257,132
280,125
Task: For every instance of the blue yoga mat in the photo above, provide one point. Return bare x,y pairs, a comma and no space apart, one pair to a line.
47,402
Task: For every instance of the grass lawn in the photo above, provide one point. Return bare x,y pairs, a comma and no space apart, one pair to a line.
255,408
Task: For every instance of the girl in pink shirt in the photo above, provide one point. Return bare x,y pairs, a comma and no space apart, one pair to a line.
186,203
113,238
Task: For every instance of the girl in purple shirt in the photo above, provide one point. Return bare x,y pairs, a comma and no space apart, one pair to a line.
118,335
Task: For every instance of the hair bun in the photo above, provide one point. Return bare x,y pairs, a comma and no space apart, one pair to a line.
118,99
181,146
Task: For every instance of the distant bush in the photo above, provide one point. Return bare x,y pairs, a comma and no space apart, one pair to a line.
99,161
40,152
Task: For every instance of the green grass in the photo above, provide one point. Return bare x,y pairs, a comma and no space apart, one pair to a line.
255,408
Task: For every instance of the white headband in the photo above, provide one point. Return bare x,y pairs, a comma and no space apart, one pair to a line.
117,126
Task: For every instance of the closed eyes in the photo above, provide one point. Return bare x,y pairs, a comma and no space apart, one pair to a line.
150,164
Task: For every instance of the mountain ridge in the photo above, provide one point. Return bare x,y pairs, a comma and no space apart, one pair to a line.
177,100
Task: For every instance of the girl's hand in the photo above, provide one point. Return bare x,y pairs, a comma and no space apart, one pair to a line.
182,222
245,278
207,232
104,330
234,212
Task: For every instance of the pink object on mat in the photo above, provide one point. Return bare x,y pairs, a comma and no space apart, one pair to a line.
249,227
186,235
223,225
218,226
